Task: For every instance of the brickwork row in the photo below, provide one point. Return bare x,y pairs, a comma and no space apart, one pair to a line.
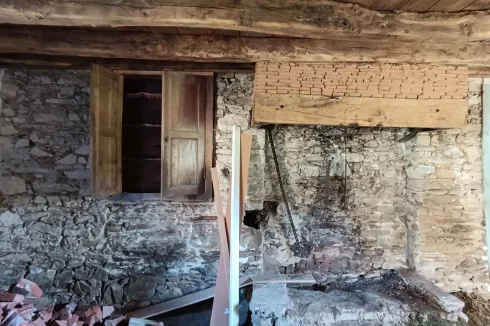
362,80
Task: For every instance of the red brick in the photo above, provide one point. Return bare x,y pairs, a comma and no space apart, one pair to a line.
11,297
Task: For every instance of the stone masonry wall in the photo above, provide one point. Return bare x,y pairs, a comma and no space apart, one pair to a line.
80,248
445,203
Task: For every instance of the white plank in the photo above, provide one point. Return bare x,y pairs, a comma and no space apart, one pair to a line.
486,157
235,222
283,278
180,302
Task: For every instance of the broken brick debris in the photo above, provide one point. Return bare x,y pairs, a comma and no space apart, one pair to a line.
11,297
28,288
18,308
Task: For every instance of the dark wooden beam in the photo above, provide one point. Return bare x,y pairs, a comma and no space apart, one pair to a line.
205,48
47,61
322,19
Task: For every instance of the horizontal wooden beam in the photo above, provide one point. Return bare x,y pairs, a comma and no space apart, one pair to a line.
151,46
47,61
292,18
356,111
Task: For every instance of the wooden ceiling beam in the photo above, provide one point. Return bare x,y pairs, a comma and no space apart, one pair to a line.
209,48
320,19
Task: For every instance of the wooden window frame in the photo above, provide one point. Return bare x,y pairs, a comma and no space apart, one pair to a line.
208,148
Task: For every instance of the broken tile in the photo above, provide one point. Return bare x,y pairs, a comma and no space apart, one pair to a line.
13,297
28,288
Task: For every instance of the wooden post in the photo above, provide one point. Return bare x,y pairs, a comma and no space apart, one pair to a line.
235,229
486,158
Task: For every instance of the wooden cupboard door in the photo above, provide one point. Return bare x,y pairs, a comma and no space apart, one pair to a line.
184,135
106,115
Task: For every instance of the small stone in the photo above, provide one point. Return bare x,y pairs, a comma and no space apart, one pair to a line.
78,174
45,80
354,157
454,152
54,201
69,159
10,185
84,150
34,137
18,120
5,142
9,218
8,91
8,130
82,160
420,171
8,112
371,143
22,143
423,140
39,200
73,117
39,153
66,91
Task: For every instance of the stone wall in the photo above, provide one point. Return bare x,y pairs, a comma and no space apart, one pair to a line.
137,253
445,203
80,248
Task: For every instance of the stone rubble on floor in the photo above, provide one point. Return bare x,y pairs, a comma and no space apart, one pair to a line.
22,307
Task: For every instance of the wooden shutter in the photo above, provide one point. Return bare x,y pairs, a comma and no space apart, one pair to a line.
187,135
106,115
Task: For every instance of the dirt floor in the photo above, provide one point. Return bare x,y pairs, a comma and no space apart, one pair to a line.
476,308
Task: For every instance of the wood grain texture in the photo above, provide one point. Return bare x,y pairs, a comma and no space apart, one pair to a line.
459,5
106,114
186,121
112,44
322,19
218,317
355,111
418,5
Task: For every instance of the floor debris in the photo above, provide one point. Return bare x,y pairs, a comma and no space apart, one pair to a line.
18,308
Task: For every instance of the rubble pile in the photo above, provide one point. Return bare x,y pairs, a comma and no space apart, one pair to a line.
20,307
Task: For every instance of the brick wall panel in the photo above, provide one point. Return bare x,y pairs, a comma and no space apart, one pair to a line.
364,80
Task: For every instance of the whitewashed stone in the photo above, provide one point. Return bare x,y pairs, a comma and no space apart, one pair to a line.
9,218
420,171
354,157
371,143
423,140
40,200
454,152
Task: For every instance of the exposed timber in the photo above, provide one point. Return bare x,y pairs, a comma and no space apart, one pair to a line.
208,48
321,19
